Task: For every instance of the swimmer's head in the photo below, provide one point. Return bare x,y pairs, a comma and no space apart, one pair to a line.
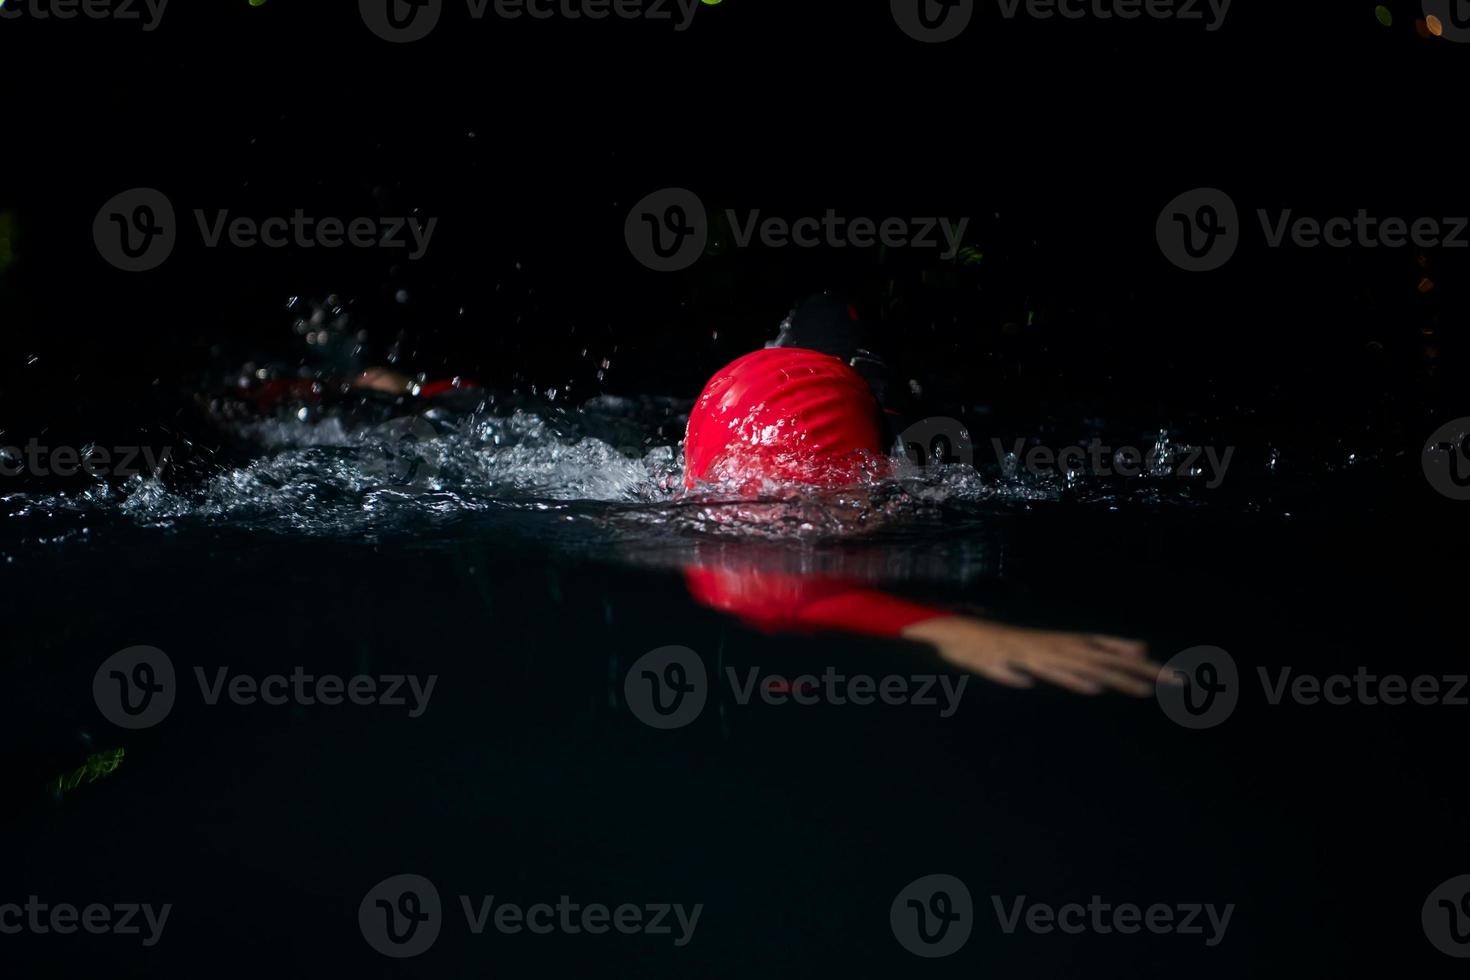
784,416
825,322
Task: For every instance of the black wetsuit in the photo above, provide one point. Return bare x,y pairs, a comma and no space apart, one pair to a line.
829,323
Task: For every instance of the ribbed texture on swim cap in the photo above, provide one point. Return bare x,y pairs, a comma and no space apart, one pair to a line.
785,414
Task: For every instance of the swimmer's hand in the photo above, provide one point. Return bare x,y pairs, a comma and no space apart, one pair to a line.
1087,663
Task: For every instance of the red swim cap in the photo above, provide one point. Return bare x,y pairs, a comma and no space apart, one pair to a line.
787,415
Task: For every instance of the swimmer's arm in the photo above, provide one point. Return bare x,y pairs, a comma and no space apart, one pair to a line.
397,383
1086,663
383,379
1010,655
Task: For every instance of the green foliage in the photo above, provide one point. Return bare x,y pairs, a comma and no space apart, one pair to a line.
98,764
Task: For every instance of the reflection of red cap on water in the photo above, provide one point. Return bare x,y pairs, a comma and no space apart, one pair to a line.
784,414
790,415
774,601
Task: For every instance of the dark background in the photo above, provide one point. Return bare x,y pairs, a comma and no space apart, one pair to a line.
1061,141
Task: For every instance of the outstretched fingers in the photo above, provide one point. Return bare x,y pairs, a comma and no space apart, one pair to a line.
1116,644
1003,673
1090,669
1063,676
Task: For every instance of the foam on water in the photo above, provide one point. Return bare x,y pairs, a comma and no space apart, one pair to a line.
332,476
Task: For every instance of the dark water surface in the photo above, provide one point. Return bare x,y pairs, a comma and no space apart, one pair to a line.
527,778
528,562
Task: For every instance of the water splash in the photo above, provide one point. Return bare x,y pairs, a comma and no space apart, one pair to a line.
613,463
